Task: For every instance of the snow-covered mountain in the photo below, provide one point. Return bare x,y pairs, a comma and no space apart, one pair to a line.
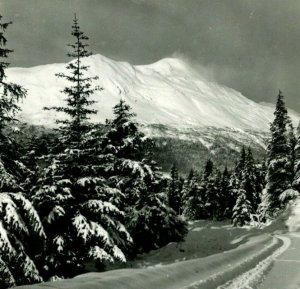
168,92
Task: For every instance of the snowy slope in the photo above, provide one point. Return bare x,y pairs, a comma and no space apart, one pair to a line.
167,92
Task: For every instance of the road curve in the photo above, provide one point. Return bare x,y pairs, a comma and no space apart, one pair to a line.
250,279
285,271
206,273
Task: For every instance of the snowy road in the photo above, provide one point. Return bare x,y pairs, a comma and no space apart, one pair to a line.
285,271
206,273
264,261
252,278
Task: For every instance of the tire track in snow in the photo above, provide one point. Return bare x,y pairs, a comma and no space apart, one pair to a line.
251,278
235,269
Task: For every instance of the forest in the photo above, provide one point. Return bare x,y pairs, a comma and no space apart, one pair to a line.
90,194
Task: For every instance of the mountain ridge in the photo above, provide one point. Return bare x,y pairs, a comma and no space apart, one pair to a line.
168,92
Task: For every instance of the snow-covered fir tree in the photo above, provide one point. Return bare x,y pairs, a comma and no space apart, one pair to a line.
296,182
21,239
10,95
279,159
233,189
203,196
150,220
242,209
227,193
194,197
251,181
21,232
208,169
79,92
175,191
215,200
241,163
78,208
292,141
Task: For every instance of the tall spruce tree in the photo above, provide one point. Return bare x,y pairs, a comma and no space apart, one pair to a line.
226,192
78,208
241,162
194,197
296,182
292,141
242,209
202,196
10,93
21,233
79,91
150,220
175,191
250,180
215,196
279,159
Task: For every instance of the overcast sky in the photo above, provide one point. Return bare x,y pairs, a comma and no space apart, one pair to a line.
250,45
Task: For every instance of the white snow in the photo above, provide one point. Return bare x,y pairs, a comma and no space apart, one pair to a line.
293,221
60,242
168,92
87,229
99,253
249,279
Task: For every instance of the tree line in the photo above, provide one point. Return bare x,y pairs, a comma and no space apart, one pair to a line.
253,191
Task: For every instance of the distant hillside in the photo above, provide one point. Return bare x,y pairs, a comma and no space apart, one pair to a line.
168,92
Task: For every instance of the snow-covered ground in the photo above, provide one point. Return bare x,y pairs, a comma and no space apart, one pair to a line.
214,255
168,92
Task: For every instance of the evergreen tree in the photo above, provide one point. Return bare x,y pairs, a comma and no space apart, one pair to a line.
10,95
201,199
241,163
191,175
261,171
21,240
215,201
226,192
194,198
79,209
251,181
279,161
296,182
292,141
234,187
209,167
241,210
21,232
175,191
151,222
78,93
247,190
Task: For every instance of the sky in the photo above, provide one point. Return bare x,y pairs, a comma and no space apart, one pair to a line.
252,46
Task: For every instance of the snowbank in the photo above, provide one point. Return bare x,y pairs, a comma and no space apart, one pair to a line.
293,221
205,272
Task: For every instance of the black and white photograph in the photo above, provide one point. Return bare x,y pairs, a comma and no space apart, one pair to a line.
150,144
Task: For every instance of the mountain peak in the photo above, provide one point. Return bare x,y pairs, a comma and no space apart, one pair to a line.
169,64
167,92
